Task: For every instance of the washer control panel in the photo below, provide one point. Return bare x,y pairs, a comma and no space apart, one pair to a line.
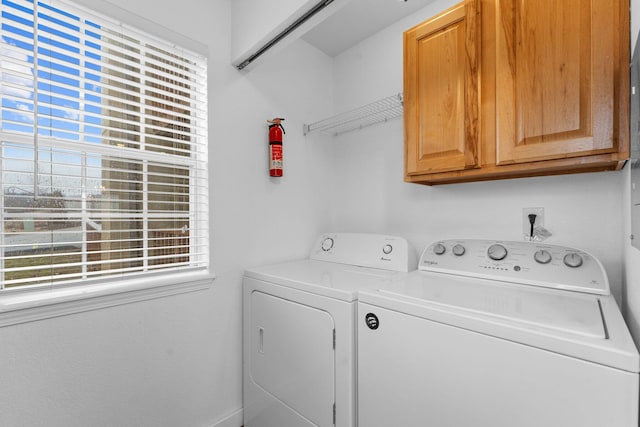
528,263
365,250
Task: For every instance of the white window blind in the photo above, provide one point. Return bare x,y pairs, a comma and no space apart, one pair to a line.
103,159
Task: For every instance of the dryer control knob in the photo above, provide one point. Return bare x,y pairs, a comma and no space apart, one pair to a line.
572,260
458,250
327,244
542,256
387,249
497,252
439,249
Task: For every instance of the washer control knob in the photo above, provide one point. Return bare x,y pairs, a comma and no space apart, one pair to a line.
572,260
458,250
497,252
542,256
387,249
439,249
327,244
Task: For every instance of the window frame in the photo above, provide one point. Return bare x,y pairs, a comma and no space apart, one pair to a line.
52,299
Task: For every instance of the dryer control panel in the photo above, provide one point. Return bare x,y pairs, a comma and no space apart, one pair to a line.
528,263
365,250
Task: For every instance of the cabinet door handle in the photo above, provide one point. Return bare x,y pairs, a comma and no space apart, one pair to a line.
260,340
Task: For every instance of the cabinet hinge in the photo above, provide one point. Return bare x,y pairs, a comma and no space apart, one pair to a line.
334,414
334,339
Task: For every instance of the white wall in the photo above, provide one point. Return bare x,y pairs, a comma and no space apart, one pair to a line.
176,361
632,255
583,210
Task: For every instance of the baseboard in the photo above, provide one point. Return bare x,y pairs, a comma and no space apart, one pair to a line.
234,419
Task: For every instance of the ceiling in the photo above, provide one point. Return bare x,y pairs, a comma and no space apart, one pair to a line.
358,20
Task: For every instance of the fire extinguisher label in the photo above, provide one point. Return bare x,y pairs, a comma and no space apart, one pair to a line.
275,156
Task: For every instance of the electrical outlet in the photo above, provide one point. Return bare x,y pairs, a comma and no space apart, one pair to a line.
526,225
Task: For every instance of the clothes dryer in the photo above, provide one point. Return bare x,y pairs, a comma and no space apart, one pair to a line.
496,334
299,329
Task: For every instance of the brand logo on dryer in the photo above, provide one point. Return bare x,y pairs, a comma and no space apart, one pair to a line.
372,321
428,262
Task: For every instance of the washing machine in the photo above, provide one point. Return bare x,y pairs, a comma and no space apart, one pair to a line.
496,334
299,329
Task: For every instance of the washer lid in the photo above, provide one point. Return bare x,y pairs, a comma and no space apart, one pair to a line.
569,312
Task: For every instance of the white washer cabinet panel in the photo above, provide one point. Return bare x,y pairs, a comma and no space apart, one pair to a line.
416,372
292,355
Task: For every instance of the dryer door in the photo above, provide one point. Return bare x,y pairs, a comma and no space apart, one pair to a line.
292,355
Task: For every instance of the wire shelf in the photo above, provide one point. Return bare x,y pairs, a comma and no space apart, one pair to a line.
368,115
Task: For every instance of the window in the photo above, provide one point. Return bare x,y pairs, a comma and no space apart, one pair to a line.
103,155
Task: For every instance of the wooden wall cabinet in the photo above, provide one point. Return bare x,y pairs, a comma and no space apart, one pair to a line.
441,99
512,88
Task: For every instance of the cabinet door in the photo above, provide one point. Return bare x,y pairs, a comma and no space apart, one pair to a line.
441,92
555,65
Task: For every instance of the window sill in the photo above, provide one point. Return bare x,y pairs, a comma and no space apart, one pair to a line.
44,304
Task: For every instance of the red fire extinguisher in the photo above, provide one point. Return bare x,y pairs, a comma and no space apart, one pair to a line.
275,146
